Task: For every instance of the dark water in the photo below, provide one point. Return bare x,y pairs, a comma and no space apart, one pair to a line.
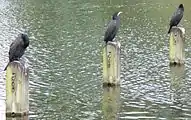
64,58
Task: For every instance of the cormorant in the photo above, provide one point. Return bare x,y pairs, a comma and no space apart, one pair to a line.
177,16
17,48
112,27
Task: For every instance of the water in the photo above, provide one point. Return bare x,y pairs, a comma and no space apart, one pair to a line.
64,58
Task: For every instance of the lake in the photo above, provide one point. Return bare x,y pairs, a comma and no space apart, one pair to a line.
65,59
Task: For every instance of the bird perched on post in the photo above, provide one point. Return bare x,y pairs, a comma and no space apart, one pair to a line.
112,27
177,16
17,48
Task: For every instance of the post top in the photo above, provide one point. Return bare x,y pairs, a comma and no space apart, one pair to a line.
20,64
182,29
17,62
179,28
114,43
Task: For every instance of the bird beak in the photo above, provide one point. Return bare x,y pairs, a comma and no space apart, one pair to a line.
119,13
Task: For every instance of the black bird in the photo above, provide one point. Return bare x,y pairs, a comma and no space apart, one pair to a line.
177,16
17,48
112,27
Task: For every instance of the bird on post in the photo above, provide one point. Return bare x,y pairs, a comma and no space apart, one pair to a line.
17,48
177,16
112,27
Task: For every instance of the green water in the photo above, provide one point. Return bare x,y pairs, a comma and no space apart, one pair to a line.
64,58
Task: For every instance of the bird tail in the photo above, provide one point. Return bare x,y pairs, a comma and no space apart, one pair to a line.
6,67
169,29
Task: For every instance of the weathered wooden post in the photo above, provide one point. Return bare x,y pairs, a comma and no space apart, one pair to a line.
17,90
111,64
111,102
18,118
176,50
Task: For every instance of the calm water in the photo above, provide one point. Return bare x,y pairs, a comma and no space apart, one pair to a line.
64,58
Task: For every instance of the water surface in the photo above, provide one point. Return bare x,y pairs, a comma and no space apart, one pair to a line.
64,58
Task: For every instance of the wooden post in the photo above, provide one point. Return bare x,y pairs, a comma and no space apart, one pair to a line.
176,50
111,102
17,90
18,118
111,64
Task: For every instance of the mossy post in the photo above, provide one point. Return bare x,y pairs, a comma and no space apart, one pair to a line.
111,103
17,90
176,50
111,64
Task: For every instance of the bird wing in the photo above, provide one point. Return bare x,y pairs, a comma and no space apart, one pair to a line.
177,16
16,48
111,29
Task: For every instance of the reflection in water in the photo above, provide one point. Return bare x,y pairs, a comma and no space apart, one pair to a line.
177,91
177,74
18,118
111,103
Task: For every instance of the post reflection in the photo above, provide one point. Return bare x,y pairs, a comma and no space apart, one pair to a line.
177,73
111,102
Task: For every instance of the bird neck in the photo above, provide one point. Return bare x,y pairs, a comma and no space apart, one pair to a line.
182,8
26,43
115,18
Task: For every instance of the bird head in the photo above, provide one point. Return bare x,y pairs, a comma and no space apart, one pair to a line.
181,6
25,39
116,15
